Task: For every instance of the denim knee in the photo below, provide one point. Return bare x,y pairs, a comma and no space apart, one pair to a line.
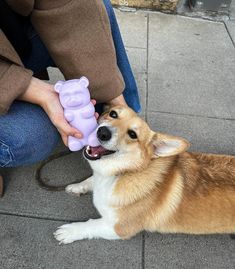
6,156
35,151
27,150
26,135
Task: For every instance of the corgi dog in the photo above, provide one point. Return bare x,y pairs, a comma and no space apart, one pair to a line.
145,180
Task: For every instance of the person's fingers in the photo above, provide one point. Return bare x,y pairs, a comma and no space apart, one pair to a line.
67,129
96,115
65,139
93,102
54,110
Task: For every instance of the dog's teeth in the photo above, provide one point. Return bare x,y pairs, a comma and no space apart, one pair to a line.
88,148
96,155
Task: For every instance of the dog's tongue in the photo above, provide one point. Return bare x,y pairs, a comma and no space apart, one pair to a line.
99,150
95,153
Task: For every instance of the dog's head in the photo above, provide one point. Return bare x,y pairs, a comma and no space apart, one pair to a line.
128,143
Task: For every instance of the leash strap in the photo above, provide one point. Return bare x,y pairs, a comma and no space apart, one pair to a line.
42,181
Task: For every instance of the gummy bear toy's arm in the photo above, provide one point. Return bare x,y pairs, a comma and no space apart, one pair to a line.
88,111
68,116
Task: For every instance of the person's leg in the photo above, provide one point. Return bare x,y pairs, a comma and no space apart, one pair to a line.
26,135
39,58
130,92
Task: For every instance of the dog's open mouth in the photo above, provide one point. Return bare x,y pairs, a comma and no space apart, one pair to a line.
95,153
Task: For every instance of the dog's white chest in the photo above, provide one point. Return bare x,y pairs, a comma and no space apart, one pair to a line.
102,192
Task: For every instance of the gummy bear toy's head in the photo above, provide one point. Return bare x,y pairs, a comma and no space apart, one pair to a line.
73,93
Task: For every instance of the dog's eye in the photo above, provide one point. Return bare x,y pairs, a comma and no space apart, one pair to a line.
113,114
132,134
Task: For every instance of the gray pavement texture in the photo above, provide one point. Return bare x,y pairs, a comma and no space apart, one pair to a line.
185,71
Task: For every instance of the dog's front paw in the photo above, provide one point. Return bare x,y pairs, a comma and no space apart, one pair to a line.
68,233
77,189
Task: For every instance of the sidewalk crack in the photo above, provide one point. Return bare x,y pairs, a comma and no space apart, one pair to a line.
147,71
190,115
143,251
230,36
35,217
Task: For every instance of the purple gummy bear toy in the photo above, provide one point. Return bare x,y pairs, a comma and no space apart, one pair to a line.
78,111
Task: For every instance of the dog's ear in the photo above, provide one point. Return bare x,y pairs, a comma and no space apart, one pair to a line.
168,145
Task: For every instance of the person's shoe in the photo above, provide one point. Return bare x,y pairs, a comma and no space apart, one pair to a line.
1,186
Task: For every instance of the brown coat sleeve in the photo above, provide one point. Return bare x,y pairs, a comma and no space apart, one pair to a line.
14,78
23,7
78,37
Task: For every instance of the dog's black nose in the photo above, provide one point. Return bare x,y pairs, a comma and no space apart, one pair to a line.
104,134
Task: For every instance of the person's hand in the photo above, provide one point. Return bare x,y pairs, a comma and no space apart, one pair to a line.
55,112
43,94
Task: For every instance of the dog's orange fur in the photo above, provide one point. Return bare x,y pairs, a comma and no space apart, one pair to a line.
177,192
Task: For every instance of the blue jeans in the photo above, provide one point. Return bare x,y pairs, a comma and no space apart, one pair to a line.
26,133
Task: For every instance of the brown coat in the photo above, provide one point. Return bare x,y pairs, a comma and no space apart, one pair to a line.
78,37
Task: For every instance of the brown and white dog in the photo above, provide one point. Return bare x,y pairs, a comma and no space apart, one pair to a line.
144,180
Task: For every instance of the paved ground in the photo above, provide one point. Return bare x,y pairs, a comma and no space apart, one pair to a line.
185,69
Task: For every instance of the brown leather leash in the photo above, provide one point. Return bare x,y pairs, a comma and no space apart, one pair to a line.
42,182
1,186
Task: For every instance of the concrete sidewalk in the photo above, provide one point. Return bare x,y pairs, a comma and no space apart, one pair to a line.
185,69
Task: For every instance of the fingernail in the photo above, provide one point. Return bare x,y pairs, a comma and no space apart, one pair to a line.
78,135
